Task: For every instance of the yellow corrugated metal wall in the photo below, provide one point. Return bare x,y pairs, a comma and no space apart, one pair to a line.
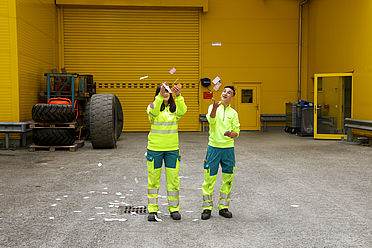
120,45
8,63
37,49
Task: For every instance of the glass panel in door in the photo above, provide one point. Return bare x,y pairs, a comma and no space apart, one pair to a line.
247,107
332,98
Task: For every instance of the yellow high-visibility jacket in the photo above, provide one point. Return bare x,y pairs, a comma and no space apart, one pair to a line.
164,124
226,120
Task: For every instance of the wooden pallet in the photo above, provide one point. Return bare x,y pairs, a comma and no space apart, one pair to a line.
34,124
71,148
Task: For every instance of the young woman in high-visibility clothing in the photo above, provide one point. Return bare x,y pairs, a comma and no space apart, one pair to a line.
164,114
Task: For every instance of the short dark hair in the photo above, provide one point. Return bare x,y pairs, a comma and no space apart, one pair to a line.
230,87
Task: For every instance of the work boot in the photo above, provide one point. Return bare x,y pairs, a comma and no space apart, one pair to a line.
206,214
175,215
152,216
225,213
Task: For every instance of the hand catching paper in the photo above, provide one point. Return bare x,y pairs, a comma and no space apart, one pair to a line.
215,104
162,90
177,89
166,87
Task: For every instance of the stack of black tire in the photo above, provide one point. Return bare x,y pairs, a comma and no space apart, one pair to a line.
58,134
103,122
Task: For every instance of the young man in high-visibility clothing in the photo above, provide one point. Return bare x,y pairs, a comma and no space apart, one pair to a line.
164,114
224,127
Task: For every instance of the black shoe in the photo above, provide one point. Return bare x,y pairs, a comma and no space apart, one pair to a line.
206,214
225,213
152,216
175,215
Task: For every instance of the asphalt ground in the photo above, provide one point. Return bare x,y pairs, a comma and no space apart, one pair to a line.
288,191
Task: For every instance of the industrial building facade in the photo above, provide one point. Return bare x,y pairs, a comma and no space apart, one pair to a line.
252,44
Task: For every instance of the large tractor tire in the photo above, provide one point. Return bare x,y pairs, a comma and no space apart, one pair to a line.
53,113
53,136
103,120
120,117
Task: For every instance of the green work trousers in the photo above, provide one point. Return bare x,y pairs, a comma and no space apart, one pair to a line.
172,167
215,157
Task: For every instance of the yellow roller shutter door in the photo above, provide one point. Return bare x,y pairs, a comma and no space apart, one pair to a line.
118,46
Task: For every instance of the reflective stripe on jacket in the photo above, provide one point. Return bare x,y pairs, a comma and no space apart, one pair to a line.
164,124
226,119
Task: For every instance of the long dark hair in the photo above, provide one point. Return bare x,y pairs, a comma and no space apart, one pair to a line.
171,103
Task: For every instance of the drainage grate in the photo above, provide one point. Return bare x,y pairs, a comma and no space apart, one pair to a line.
131,209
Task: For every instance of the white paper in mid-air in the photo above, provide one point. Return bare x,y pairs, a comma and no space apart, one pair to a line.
217,86
167,88
216,80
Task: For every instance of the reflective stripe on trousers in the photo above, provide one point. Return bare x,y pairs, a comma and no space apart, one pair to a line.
224,196
152,201
207,201
207,197
152,191
173,193
172,202
224,203
152,196
207,204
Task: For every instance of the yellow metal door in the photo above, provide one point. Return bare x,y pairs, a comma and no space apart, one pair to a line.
247,104
121,45
333,103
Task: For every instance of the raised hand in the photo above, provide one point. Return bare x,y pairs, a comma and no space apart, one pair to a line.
215,104
214,109
162,90
177,89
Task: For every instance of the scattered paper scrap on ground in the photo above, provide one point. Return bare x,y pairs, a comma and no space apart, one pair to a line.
110,220
158,219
